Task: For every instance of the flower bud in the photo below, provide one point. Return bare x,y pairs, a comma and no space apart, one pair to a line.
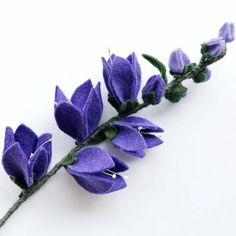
203,76
155,86
177,61
227,32
215,46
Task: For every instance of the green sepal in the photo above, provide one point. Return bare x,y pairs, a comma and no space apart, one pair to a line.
150,98
128,106
189,67
113,102
98,138
205,54
199,78
18,183
111,132
158,64
176,93
70,159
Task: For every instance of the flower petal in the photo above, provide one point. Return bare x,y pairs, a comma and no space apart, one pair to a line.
106,75
100,183
151,140
122,79
138,122
38,164
9,138
120,165
137,71
128,138
81,94
15,163
139,153
70,120
44,140
91,160
27,139
59,95
93,111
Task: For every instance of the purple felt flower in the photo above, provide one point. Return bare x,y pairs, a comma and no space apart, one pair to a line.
79,116
26,157
215,46
177,61
122,77
97,171
227,32
156,85
134,135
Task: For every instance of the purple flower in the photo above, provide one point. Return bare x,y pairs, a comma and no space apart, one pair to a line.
79,116
215,46
156,85
227,32
26,157
97,171
177,61
122,77
134,135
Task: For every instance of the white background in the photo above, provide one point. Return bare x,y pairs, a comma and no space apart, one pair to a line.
185,187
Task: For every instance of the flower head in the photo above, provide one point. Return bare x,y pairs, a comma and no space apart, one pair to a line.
215,46
227,32
155,85
177,61
134,135
79,116
26,157
97,171
122,77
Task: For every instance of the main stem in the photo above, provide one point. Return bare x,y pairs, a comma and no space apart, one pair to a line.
25,194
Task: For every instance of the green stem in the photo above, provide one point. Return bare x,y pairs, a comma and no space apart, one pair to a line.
25,194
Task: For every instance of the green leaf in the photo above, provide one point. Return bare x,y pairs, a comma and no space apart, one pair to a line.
176,93
69,160
113,102
158,64
111,132
127,107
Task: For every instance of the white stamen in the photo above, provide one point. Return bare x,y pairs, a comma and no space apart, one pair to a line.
114,175
140,128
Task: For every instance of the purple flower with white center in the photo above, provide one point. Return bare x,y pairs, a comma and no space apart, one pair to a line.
215,46
79,116
97,171
26,157
134,135
122,77
156,85
227,32
177,61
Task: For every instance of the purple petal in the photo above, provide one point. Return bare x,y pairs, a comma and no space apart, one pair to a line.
128,138
216,46
27,139
151,140
70,120
44,141
100,183
59,95
91,160
120,166
9,138
15,164
137,71
139,153
227,32
122,79
106,75
145,125
93,111
81,94
38,164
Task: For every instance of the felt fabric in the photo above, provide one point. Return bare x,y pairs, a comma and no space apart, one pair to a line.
227,32
94,168
59,95
26,157
155,84
122,77
215,46
80,116
178,59
134,135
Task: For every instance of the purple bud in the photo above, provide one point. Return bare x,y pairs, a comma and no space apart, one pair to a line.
227,32
178,59
207,74
215,46
155,84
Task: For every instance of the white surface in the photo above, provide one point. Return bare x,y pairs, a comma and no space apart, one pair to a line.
187,186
